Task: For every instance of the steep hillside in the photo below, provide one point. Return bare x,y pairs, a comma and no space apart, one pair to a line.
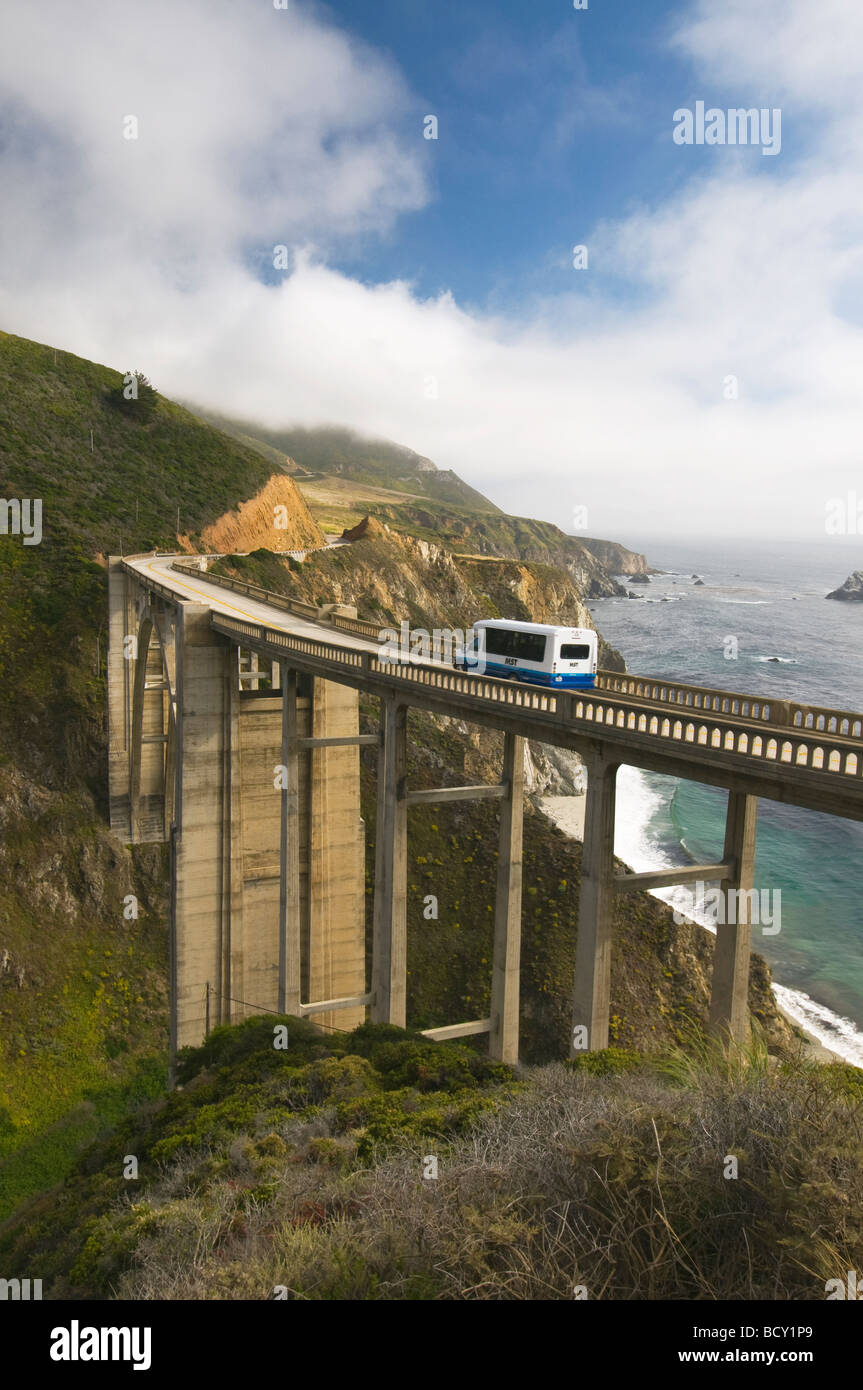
83,1027
343,475
392,577
276,517
343,454
511,538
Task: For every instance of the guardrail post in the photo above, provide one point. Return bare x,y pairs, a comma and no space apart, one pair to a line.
729,1000
503,1040
389,948
289,850
592,990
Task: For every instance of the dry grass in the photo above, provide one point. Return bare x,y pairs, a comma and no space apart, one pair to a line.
613,1183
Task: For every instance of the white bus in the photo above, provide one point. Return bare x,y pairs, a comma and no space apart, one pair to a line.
538,653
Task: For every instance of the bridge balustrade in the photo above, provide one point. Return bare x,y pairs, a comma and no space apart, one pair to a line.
807,750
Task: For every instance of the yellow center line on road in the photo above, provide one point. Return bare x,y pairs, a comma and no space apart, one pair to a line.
243,612
251,617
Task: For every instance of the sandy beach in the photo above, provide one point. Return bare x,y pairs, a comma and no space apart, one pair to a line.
567,812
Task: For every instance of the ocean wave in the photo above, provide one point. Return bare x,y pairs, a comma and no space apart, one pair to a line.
636,843
840,1035
748,602
782,660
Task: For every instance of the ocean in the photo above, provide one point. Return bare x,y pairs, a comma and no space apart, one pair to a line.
759,623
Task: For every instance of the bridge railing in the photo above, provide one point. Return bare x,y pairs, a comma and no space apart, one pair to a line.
720,733
819,737
821,719
287,605
817,718
695,697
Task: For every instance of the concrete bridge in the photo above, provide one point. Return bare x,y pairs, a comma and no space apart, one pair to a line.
234,736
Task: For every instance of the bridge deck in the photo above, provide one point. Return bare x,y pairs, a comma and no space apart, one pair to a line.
809,756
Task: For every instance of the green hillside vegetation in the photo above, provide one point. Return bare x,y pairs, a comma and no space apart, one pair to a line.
82,995
345,477
508,537
377,462
379,1166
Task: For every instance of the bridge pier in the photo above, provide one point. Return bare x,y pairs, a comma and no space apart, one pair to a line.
729,1001
389,948
267,885
506,961
592,989
290,924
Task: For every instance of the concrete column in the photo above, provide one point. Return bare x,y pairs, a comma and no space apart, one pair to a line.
729,1000
336,939
201,927
290,923
389,963
505,992
119,701
237,966
592,992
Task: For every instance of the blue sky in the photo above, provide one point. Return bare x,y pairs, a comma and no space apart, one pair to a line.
552,121
702,375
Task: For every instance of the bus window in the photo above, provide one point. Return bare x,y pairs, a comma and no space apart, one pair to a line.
571,651
524,646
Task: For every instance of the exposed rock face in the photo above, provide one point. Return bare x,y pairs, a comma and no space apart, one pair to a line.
851,590
367,527
639,579
392,578
551,771
614,557
276,518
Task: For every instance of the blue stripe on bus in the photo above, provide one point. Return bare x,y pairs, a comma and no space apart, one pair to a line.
578,681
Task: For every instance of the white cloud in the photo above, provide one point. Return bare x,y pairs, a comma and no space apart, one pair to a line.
255,126
250,133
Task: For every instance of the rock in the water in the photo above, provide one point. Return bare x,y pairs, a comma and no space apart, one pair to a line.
851,589
698,582
639,579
